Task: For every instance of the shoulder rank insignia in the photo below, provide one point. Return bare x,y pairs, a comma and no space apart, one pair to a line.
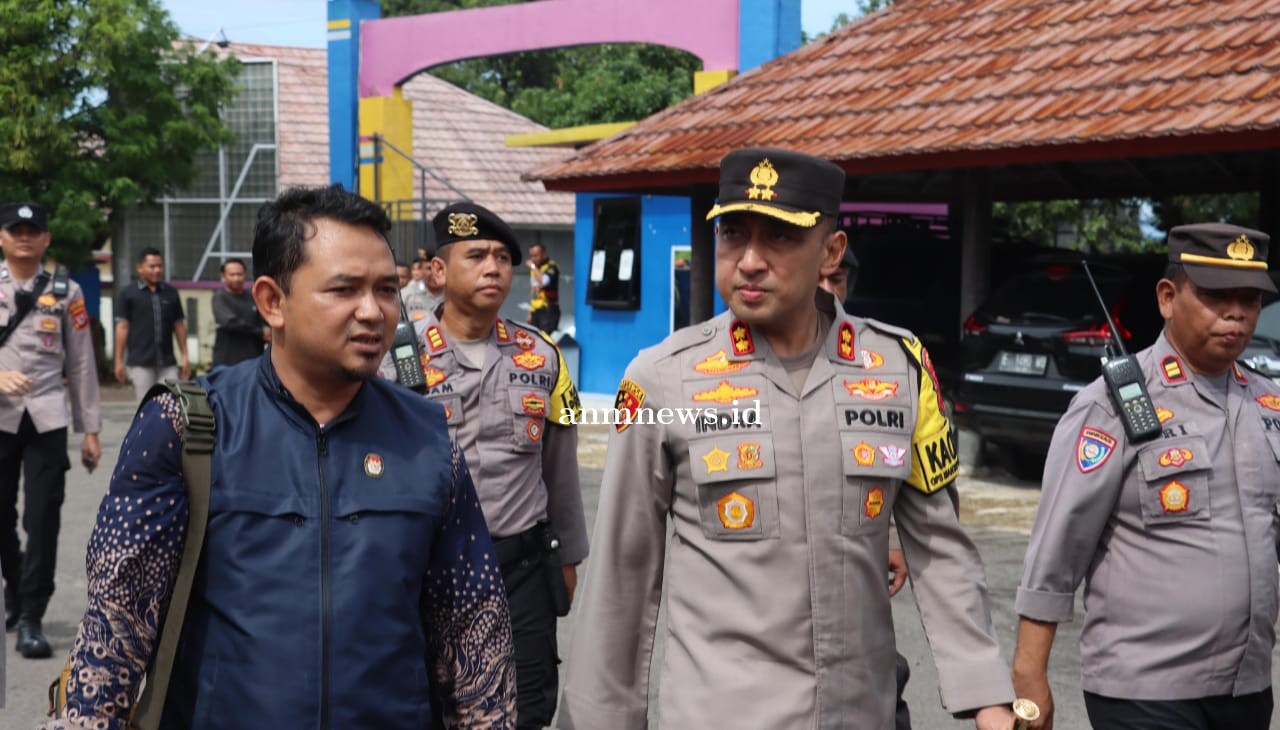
435,338
1175,497
79,318
844,342
725,393
736,511
529,360
1163,414
503,335
1094,448
872,389
630,397
718,364
1238,372
1269,401
875,502
1171,366
740,334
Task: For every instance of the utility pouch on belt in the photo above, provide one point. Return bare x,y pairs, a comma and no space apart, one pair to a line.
197,446
554,569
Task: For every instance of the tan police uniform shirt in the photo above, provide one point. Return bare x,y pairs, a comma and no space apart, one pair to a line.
778,615
505,413
1175,538
419,301
53,338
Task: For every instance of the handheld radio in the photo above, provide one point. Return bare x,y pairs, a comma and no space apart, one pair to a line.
1125,382
405,353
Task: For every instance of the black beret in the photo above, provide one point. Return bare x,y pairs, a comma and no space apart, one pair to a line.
1221,256
11,214
786,185
471,222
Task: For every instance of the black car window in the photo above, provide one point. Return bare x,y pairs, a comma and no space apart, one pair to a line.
1055,293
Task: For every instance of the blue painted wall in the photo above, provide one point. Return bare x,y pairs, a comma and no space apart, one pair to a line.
344,91
766,29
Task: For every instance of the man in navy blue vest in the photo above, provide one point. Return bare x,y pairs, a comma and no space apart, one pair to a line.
346,567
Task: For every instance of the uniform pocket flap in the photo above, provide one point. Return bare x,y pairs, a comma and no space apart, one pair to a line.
350,504
717,459
875,455
272,505
1173,456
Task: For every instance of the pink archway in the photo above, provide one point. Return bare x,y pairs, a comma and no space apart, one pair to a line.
392,50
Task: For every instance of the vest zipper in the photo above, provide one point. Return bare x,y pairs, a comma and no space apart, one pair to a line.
322,449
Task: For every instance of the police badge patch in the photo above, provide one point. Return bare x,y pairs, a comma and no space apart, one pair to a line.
1093,449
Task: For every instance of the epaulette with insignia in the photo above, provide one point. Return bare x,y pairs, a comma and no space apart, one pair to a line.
683,339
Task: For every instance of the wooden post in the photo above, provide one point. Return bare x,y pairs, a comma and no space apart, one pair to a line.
702,264
975,240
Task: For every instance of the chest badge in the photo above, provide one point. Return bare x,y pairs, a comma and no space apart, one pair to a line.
534,429
844,342
718,364
749,456
1176,457
741,336
724,393
48,324
893,454
529,360
373,466
872,389
1163,414
736,511
1175,497
524,340
46,300
533,405
434,376
1093,449
1269,401
716,460
871,360
875,502
864,454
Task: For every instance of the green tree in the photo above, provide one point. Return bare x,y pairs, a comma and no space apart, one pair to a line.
567,87
1091,225
103,109
1241,209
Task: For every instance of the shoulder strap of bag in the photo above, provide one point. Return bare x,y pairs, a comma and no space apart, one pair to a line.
24,302
197,445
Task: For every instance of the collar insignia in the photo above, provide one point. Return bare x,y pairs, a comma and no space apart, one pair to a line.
742,342
844,345
501,327
1172,367
435,338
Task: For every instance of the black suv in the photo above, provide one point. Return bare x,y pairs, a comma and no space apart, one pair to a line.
1038,340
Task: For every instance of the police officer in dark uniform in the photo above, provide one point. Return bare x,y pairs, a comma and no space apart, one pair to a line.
1174,537
510,405
46,336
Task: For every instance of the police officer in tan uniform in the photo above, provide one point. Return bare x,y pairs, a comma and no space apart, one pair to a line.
421,295
1175,537
46,327
510,405
776,439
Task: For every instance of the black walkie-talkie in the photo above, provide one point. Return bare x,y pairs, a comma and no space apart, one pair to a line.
1126,384
405,353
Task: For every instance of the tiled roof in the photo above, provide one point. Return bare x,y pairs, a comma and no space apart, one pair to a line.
927,84
458,135
461,138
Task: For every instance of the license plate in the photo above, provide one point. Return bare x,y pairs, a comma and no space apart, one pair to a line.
1022,363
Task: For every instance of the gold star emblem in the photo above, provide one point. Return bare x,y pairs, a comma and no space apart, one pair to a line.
716,460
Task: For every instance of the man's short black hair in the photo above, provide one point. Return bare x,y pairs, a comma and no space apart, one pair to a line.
228,262
285,224
149,251
1174,272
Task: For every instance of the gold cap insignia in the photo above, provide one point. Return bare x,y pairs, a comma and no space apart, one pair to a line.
1240,249
463,224
763,178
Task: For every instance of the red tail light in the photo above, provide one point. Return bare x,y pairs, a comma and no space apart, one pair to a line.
1098,335
971,326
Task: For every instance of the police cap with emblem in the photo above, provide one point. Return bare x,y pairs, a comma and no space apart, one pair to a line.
11,214
471,222
1221,256
786,185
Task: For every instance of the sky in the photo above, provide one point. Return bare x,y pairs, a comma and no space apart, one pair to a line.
302,22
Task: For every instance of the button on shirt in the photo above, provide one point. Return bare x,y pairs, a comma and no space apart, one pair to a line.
1175,538
151,316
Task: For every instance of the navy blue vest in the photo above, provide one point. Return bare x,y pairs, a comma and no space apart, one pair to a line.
306,608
